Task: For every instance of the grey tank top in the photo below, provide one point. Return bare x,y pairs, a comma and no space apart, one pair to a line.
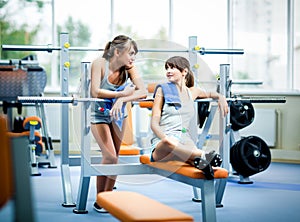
105,84
96,115
179,122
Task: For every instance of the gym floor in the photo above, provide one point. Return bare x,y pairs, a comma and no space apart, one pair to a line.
273,196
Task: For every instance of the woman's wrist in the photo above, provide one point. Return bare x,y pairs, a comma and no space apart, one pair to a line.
119,94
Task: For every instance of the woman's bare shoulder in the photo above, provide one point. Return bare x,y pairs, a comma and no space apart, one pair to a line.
196,92
99,61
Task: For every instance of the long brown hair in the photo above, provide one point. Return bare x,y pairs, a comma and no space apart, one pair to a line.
181,63
120,42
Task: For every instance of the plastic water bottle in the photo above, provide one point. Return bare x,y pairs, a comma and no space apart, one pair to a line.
103,110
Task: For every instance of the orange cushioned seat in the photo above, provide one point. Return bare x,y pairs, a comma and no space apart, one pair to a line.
183,168
129,150
146,104
129,206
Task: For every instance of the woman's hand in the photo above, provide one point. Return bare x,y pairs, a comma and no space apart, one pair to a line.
116,110
223,105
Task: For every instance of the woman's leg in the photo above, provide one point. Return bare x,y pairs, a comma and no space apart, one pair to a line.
104,137
170,149
117,137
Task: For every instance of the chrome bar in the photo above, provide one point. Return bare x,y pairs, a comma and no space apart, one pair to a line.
47,48
18,62
56,99
50,48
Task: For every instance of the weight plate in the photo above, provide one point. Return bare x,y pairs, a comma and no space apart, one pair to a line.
241,114
202,112
250,155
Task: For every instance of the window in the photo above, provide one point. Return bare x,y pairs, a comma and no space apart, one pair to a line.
208,21
297,46
260,28
88,25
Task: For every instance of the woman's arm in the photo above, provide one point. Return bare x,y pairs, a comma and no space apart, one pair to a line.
222,102
130,93
97,73
140,89
156,114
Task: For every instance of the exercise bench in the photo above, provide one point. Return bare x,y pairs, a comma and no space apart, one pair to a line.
188,174
140,209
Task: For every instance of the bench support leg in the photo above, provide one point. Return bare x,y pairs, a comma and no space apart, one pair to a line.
208,201
220,188
82,195
67,186
196,197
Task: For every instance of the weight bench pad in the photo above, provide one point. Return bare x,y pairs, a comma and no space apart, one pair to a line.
183,168
129,150
129,206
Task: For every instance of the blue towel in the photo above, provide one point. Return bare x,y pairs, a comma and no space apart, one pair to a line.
170,94
108,103
119,122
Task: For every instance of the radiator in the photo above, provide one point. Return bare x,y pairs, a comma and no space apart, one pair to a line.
264,126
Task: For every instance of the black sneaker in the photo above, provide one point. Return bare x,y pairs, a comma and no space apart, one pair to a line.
204,165
214,158
99,209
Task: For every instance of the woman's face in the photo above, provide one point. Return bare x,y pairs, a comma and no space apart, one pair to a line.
173,74
128,56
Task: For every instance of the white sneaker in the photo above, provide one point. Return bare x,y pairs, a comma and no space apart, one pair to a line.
99,209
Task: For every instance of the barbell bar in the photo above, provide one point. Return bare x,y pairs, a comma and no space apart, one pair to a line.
18,62
250,99
56,99
75,100
259,99
50,48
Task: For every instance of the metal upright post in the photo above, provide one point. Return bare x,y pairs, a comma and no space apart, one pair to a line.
85,141
193,56
194,65
224,121
64,82
224,133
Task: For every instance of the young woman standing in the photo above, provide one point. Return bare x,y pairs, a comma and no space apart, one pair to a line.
115,79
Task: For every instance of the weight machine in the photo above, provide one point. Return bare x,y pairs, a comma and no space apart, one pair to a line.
247,156
25,77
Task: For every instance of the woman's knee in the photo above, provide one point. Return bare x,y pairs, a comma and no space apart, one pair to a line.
169,142
109,159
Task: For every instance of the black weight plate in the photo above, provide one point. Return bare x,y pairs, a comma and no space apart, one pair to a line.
202,112
243,167
241,114
256,154
235,158
250,155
